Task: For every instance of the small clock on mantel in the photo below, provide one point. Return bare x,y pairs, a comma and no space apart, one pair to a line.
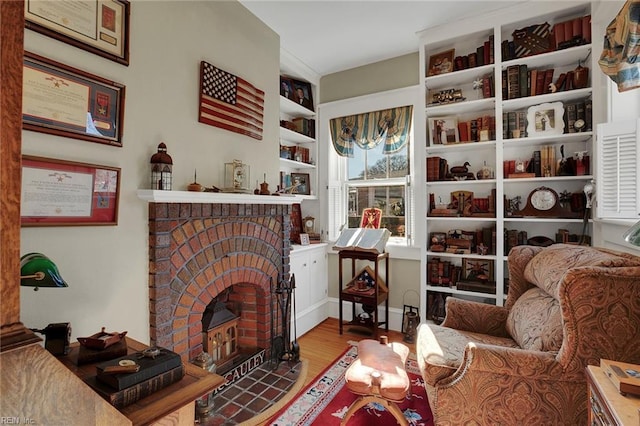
309,224
543,202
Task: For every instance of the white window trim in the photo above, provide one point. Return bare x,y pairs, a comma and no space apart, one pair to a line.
335,172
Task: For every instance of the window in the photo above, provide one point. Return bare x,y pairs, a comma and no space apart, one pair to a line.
370,162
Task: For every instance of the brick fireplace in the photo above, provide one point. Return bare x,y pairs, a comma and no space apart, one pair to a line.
197,250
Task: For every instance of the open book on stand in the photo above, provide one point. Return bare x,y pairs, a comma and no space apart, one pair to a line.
363,239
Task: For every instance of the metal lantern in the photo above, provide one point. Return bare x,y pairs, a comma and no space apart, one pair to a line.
161,167
411,322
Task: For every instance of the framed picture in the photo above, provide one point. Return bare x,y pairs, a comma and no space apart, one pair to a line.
302,94
477,270
300,182
545,119
443,130
304,240
65,101
441,63
286,88
100,27
62,193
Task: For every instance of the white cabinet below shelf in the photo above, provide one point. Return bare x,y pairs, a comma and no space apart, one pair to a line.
309,264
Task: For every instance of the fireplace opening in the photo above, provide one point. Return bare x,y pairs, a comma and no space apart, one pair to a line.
228,322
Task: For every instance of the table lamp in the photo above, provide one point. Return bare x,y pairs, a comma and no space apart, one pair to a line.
632,236
37,270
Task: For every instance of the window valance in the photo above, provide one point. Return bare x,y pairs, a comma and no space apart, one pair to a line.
368,130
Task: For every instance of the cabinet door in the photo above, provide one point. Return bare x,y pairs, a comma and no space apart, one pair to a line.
299,264
317,277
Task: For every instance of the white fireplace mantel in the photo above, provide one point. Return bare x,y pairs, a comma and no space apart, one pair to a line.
155,196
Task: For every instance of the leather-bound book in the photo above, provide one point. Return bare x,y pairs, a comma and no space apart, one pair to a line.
127,396
164,361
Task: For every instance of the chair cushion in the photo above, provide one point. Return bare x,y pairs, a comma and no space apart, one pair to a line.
535,321
441,349
388,360
548,267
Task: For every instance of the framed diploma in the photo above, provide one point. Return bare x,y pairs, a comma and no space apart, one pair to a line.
63,193
65,101
98,26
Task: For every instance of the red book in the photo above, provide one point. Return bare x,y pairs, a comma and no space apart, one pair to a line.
487,52
433,169
568,83
534,81
586,28
548,79
577,27
558,34
462,130
568,30
540,90
560,82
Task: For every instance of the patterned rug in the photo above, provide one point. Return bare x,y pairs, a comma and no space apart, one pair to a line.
326,400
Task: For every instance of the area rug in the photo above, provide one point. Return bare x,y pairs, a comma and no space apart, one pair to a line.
326,400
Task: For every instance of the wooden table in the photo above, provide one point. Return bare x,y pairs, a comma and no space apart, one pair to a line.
373,298
172,405
606,405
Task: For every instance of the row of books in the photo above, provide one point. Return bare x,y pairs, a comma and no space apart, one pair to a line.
484,55
437,169
565,34
514,123
513,237
296,153
542,164
305,126
520,82
481,241
479,129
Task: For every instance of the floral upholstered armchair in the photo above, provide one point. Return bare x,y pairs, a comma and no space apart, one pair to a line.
524,364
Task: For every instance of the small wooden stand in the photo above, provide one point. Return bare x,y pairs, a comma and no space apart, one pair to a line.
606,405
380,293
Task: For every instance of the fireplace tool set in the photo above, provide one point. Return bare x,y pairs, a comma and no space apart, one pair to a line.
282,347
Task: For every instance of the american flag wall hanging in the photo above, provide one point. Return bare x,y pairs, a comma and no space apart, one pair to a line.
229,102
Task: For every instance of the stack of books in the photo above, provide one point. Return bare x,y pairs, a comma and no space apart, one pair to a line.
152,374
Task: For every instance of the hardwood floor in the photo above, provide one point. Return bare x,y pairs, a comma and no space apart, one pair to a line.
323,344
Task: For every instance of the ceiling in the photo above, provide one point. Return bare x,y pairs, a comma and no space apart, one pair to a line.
330,36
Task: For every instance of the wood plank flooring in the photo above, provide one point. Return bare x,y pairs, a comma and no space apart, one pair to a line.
323,344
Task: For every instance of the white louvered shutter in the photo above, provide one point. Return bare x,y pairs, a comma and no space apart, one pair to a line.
618,178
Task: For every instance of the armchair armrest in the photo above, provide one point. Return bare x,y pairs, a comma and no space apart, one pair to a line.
519,364
475,317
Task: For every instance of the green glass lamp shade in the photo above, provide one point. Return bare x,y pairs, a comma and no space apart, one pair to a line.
37,270
632,236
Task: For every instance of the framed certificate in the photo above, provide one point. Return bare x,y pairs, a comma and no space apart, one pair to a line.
65,101
61,193
100,27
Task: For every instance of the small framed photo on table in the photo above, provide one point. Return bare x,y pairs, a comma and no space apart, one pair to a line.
304,240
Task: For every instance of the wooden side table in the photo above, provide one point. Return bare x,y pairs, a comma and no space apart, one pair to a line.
174,404
606,405
379,294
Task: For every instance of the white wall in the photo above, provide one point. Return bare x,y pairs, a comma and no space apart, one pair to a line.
106,267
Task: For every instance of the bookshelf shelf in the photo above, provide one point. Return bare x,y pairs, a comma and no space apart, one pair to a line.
506,106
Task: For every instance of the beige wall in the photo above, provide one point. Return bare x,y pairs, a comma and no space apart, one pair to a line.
394,73
107,267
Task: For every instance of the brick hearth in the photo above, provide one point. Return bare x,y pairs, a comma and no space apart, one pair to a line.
196,251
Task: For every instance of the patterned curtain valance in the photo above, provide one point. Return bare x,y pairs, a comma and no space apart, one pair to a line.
368,130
